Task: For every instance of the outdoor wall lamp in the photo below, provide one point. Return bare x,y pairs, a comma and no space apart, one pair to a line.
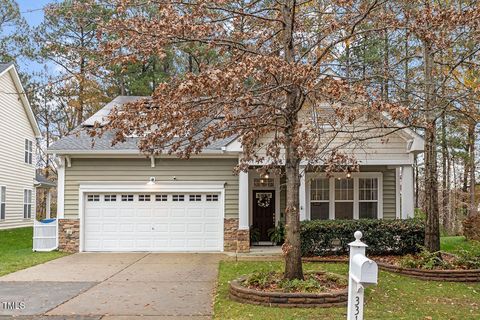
151,181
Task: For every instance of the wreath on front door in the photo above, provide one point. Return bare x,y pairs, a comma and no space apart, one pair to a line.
263,199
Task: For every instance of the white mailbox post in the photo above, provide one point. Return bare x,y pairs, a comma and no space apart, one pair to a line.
362,272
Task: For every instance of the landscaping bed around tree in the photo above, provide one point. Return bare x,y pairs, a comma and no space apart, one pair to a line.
395,297
317,289
459,266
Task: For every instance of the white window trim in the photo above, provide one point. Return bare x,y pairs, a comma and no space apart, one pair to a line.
3,202
355,177
253,174
29,152
28,203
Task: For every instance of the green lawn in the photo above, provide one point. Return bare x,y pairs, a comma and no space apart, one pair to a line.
453,244
395,297
16,251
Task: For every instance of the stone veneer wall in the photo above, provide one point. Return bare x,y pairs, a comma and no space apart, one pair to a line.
235,240
68,235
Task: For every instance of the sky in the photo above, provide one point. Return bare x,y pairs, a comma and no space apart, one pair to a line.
32,11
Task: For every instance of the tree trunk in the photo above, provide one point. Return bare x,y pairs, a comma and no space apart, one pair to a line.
292,247
432,227
445,181
472,210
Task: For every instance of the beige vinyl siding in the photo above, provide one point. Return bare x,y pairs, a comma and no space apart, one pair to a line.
15,174
389,189
389,194
139,169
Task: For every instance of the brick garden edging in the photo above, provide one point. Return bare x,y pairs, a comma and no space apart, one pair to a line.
435,275
292,300
429,275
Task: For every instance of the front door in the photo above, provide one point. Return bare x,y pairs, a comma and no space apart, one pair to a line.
264,212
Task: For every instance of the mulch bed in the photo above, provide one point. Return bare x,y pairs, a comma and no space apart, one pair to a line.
392,264
332,294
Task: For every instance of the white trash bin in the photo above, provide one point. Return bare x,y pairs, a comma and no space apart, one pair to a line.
45,235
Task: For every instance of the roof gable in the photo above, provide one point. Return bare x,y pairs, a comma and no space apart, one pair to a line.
10,69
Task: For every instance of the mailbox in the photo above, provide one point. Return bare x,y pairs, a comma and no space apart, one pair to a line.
364,270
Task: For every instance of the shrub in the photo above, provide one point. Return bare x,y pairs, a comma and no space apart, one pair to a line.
261,279
277,234
425,260
467,259
326,237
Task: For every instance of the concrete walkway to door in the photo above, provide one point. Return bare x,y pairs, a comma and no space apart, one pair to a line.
116,286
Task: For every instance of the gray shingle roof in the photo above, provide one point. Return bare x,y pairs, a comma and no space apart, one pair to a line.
80,140
41,181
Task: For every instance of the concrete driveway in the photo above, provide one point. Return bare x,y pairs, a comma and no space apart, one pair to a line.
114,286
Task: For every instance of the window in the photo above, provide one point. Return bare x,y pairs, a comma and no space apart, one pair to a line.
28,151
263,182
27,204
212,197
3,201
127,197
178,197
320,199
161,197
110,197
195,197
343,198
339,197
368,198
143,197
93,198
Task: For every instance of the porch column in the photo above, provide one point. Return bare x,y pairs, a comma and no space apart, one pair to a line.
302,194
60,187
407,192
47,204
243,223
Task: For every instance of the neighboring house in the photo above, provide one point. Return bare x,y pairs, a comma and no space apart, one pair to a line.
18,133
116,199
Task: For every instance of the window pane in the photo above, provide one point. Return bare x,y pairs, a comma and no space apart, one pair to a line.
3,191
343,210
344,189
319,189
368,188
368,210
2,211
319,210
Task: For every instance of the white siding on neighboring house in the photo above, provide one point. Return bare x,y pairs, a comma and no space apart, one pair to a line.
15,174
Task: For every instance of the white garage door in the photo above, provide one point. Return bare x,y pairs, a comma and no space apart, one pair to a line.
153,222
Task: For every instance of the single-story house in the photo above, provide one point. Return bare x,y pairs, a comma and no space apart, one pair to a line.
113,198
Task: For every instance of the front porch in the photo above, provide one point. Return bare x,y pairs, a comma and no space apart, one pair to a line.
376,191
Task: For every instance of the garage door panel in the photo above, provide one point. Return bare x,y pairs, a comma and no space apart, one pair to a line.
174,228
107,227
177,212
156,224
195,227
195,213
